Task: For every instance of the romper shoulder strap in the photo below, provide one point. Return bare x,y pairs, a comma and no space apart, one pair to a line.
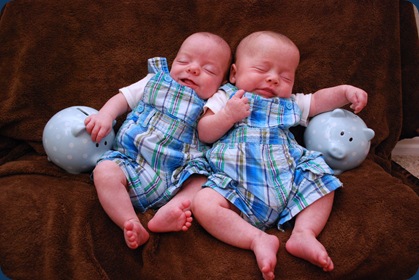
157,64
229,89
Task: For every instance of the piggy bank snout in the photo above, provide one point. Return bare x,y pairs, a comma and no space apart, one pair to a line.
337,152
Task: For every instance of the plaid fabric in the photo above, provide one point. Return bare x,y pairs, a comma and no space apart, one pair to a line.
157,64
261,169
184,105
272,112
157,146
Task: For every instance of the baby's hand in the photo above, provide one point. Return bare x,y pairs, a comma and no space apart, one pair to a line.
98,126
357,97
237,107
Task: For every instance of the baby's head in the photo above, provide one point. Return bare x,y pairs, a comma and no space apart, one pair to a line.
265,64
202,63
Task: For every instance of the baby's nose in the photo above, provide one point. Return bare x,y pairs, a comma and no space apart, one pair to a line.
193,69
272,80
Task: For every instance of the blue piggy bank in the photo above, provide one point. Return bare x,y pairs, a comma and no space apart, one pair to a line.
67,143
341,136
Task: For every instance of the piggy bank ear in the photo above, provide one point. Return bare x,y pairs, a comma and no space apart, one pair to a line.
77,130
338,113
369,133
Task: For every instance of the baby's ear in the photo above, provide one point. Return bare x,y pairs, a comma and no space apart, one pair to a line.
233,71
78,129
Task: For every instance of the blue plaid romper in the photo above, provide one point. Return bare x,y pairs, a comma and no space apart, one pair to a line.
157,146
260,168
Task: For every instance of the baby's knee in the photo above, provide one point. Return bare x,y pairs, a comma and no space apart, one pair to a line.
201,200
208,198
197,200
106,171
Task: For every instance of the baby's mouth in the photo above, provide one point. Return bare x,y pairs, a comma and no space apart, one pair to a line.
187,82
266,92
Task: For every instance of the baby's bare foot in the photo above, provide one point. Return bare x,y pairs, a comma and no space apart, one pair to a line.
135,234
265,248
172,217
306,246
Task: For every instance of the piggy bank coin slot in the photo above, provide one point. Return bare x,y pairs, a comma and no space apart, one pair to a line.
84,112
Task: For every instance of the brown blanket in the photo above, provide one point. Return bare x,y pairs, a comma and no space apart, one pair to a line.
57,53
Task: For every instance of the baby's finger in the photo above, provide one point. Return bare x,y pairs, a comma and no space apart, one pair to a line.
89,127
239,93
94,134
356,107
87,120
101,134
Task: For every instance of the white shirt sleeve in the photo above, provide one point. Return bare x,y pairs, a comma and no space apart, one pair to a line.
134,92
304,102
216,102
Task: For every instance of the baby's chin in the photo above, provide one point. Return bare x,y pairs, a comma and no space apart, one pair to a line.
265,94
188,83
273,94
268,93
194,87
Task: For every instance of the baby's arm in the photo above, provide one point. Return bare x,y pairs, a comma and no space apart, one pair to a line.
212,127
328,99
100,124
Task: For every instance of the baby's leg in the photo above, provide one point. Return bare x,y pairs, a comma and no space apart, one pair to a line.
176,214
309,223
222,220
110,183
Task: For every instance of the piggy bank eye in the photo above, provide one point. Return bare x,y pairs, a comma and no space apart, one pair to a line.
106,143
97,145
342,133
351,139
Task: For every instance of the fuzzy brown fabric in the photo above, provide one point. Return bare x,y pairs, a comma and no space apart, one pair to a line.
58,53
